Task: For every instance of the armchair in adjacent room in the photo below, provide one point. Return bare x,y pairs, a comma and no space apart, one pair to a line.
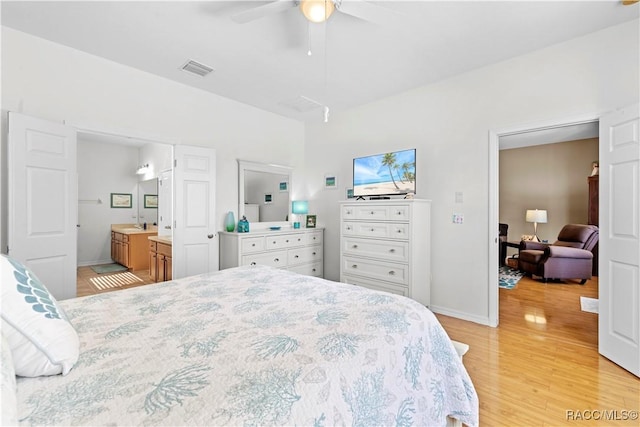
570,257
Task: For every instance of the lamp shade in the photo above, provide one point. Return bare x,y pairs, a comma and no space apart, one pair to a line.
536,215
300,207
317,10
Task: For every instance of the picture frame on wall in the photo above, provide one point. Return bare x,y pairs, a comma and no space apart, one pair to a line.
151,201
311,221
283,186
121,200
330,182
268,198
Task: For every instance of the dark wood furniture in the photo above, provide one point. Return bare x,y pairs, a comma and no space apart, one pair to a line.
592,212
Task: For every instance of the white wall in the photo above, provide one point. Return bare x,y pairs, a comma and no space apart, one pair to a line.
54,82
449,123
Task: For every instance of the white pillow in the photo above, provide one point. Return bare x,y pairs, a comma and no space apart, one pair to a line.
8,391
41,338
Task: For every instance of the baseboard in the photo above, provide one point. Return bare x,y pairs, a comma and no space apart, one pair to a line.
460,315
96,262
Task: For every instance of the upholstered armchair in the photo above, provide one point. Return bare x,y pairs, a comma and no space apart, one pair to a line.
570,257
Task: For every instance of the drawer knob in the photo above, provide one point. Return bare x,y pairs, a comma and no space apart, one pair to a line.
313,269
373,229
287,241
274,242
299,239
313,253
399,213
392,273
355,246
296,257
276,260
253,263
371,212
399,231
253,244
348,228
392,250
354,266
314,237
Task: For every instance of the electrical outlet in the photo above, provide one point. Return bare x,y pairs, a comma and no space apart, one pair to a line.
458,218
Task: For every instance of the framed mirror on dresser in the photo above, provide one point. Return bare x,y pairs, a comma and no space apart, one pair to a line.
264,194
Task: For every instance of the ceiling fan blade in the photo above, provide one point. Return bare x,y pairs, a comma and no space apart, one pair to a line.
262,11
370,12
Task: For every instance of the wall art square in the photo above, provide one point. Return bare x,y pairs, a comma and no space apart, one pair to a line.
121,200
330,181
151,201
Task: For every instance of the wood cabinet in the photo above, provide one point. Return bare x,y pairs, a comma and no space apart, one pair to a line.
130,249
299,250
592,212
385,245
160,261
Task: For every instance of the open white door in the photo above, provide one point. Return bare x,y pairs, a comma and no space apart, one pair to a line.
619,293
43,201
195,242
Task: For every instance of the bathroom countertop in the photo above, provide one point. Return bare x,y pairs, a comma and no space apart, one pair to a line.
161,239
132,229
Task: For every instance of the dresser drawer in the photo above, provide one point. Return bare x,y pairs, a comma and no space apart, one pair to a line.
376,285
390,272
273,259
252,244
376,213
285,241
386,250
315,238
302,255
376,229
314,269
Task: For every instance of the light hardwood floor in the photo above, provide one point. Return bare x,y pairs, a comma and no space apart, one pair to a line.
542,360
84,286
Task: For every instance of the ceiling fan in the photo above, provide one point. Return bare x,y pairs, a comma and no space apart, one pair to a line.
318,11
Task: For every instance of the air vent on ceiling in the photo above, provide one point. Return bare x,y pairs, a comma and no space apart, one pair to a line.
302,104
195,67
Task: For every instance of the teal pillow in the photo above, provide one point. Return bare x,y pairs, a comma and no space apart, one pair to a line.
41,338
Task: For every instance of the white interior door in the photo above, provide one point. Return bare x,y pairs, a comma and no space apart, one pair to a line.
619,293
195,241
43,201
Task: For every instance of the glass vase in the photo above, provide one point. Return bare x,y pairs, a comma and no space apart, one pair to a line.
230,221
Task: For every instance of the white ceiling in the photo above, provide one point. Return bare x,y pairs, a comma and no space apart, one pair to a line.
264,63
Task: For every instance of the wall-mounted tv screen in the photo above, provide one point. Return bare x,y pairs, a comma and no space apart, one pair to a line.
385,174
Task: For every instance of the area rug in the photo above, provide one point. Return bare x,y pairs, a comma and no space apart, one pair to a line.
589,304
114,280
108,268
508,277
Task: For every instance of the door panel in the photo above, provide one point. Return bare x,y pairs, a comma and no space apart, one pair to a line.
619,293
43,200
195,242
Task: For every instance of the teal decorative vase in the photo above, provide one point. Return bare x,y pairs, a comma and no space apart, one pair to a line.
230,221
243,225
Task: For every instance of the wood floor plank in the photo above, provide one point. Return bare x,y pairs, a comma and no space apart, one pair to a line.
542,360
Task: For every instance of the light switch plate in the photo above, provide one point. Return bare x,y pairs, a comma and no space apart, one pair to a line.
458,218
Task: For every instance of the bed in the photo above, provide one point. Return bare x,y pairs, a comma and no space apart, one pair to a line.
253,346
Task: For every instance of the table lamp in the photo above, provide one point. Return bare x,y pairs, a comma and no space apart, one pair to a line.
536,216
299,207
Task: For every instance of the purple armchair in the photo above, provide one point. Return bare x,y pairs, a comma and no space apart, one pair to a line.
570,257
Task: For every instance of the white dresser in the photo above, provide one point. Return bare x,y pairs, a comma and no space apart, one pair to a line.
299,250
386,245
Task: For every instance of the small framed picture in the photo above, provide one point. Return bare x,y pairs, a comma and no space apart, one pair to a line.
330,181
349,193
121,200
151,201
311,221
283,186
268,198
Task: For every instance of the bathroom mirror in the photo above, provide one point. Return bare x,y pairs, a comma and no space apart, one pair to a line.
264,193
148,201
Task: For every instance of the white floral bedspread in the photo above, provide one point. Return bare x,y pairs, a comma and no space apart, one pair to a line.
253,346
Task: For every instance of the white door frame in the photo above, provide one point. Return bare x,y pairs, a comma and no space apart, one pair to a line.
494,148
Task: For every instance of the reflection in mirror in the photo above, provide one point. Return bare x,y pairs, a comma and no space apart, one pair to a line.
147,212
264,193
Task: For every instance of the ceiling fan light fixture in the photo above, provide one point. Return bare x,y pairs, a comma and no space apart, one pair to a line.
317,11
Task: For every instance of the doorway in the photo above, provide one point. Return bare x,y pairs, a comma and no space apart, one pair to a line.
524,134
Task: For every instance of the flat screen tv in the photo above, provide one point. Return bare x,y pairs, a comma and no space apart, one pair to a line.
385,174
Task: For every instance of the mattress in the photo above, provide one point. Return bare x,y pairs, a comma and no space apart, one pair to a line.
253,346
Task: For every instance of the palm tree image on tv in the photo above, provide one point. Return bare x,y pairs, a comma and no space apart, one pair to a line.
388,173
